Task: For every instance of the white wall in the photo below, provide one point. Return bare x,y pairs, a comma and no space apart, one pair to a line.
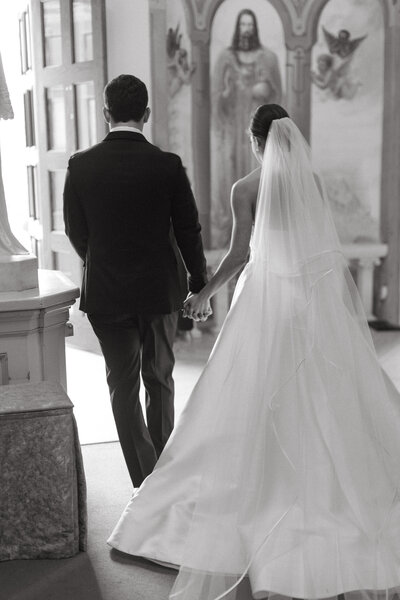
128,40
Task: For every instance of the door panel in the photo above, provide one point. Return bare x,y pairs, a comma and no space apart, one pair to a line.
50,14
85,110
82,24
69,61
55,118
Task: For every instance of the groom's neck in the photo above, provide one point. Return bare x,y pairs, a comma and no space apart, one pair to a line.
136,124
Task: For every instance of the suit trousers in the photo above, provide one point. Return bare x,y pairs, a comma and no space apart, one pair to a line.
134,344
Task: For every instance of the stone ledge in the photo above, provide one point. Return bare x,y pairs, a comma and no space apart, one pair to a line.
53,288
33,397
364,250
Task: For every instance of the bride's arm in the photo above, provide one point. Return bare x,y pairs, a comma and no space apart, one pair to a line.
237,254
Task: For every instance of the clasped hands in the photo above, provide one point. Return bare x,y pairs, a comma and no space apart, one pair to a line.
197,307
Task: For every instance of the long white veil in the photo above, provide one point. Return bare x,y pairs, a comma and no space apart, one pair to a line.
299,495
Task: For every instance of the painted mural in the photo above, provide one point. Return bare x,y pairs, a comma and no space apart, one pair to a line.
247,58
180,71
248,67
347,109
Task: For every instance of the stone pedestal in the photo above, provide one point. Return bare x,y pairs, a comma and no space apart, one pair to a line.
33,326
363,258
42,482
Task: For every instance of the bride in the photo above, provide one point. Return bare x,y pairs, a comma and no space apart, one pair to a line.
282,475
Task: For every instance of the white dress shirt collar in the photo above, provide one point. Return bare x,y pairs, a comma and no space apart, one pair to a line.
127,128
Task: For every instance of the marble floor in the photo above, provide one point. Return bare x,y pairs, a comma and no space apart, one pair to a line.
88,390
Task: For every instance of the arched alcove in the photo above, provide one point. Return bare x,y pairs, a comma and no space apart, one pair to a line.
300,21
200,17
240,80
347,67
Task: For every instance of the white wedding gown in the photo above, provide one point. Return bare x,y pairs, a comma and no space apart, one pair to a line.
283,470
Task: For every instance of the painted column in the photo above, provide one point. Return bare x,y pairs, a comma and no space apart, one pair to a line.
201,122
159,85
298,81
387,285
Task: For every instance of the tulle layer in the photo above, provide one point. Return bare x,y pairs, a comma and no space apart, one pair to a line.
225,587
301,495
286,476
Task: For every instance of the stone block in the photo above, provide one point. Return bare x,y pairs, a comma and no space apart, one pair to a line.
42,482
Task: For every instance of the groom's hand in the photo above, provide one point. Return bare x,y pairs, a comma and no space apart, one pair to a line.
197,307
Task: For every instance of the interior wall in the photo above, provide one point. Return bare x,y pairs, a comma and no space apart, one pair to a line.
128,41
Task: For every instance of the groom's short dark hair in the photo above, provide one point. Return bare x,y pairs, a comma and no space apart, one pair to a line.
126,98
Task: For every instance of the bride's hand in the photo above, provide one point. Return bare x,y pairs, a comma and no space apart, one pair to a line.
197,307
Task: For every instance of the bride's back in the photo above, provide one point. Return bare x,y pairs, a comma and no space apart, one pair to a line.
247,188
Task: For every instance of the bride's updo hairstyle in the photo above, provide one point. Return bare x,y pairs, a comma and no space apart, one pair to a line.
262,120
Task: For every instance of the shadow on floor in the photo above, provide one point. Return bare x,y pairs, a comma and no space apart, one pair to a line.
63,579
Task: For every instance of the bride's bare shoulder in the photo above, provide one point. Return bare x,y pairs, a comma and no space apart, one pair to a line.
247,187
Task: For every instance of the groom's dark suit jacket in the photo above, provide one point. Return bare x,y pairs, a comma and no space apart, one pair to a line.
120,199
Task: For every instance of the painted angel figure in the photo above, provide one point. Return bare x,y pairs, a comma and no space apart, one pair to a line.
180,72
335,79
342,44
334,75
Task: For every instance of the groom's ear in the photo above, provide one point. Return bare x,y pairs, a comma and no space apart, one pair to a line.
146,115
106,114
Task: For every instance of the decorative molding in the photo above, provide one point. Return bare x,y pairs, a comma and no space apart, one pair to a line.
299,11
295,15
200,10
299,17
299,61
201,13
157,5
299,6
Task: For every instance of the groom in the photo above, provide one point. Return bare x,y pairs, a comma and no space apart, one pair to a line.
120,199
